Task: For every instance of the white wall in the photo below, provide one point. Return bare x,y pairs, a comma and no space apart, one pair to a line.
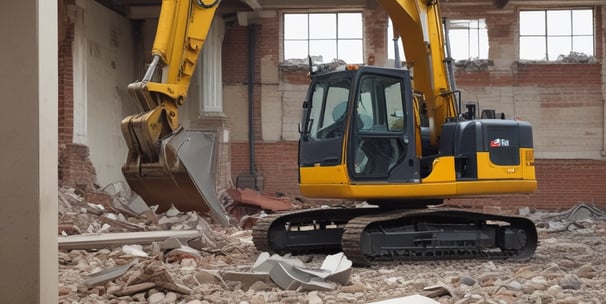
103,68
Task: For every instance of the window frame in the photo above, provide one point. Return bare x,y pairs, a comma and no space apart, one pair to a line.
336,39
470,32
546,35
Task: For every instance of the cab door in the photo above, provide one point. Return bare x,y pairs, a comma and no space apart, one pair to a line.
381,145
323,124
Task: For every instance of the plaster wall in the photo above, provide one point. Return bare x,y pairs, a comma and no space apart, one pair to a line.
104,57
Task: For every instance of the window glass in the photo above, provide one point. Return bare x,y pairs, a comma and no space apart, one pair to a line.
582,22
322,26
316,108
532,23
328,109
323,50
391,54
395,111
296,49
559,23
583,44
296,26
558,46
349,50
468,39
350,26
324,36
534,48
380,106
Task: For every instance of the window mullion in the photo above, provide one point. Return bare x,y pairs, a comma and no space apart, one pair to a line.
572,30
308,35
546,37
337,34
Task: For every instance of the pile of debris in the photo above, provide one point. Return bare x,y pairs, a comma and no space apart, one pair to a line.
577,57
302,65
100,211
115,251
474,65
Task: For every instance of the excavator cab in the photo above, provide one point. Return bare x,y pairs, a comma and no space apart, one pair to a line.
371,139
370,150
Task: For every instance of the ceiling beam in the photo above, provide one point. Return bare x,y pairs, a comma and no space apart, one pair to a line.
313,3
567,3
254,4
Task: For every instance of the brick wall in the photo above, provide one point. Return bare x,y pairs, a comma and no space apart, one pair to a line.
75,168
375,33
276,162
561,184
66,82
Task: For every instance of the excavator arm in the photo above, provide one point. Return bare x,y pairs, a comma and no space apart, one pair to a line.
166,165
182,29
418,23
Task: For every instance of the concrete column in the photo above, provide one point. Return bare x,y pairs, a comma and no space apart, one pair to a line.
209,70
28,166
602,31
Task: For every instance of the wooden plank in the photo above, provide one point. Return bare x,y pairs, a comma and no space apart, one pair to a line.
110,240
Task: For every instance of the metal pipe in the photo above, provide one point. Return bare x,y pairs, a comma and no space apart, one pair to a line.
152,68
449,61
397,59
251,97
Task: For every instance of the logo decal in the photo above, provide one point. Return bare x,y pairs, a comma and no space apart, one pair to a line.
499,142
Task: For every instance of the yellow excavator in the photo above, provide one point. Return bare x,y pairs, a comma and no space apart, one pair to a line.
395,138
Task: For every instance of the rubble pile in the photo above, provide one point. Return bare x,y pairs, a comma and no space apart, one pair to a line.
577,57
181,258
474,65
302,65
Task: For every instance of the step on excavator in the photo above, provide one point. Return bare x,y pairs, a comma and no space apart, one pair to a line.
395,138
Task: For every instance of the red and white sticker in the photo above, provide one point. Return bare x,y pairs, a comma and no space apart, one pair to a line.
499,142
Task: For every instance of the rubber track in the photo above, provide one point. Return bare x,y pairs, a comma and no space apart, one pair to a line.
360,219
355,227
261,229
264,225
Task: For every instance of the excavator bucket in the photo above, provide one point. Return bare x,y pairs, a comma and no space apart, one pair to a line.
183,176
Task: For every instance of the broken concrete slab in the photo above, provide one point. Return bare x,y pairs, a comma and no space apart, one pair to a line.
336,268
291,273
106,240
107,275
340,267
414,299
171,243
290,278
438,290
584,212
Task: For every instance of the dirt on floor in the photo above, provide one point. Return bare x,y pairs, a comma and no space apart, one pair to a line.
569,265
